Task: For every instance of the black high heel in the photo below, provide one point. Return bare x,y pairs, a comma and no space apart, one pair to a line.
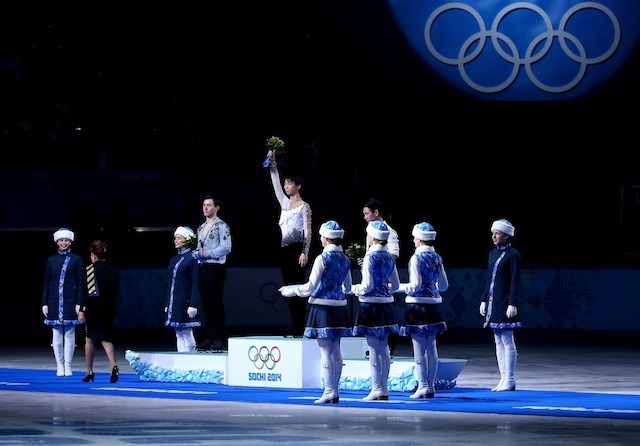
115,371
89,377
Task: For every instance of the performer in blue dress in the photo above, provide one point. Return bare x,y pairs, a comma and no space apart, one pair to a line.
376,317
65,290
183,297
423,319
329,319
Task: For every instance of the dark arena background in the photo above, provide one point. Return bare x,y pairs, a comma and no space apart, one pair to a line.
116,117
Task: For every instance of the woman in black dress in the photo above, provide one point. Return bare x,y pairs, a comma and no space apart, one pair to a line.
99,313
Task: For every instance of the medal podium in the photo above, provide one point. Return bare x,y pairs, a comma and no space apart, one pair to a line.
279,362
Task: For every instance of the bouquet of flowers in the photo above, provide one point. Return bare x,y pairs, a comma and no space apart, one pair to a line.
191,242
355,251
276,145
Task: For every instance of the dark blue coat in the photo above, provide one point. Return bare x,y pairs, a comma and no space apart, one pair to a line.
69,291
506,287
183,291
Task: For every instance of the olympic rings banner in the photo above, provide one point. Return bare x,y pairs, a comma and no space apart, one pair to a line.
540,50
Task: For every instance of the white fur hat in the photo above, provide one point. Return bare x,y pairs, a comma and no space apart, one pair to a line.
184,231
331,230
63,233
378,230
424,231
503,225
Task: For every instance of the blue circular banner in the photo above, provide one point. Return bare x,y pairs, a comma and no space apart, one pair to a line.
504,50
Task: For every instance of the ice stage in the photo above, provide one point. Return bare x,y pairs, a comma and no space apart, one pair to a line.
278,362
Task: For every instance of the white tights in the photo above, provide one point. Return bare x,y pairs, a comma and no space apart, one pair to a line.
379,361
64,335
331,362
63,341
425,355
506,355
185,340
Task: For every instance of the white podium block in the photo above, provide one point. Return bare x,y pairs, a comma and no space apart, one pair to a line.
274,361
179,367
354,348
277,362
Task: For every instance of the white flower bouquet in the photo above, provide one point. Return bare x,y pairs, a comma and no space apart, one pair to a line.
191,242
355,251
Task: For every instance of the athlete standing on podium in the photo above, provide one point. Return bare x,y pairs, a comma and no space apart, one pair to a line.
295,228
214,244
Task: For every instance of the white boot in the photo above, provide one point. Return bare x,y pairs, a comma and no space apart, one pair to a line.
377,393
58,353
189,342
421,391
509,383
179,342
330,394
69,350
501,367
420,372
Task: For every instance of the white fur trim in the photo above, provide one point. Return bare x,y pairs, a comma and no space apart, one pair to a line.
63,233
185,232
331,233
423,235
377,233
501,226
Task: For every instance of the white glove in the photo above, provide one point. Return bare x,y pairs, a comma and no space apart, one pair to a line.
192,311
77,309
165,309
511,311
483,308
45,310
288,290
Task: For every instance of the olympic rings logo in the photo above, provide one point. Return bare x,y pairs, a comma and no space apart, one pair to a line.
264,357
534,52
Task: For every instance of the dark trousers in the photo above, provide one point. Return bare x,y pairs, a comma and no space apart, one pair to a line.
293,273
212,279
398,308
